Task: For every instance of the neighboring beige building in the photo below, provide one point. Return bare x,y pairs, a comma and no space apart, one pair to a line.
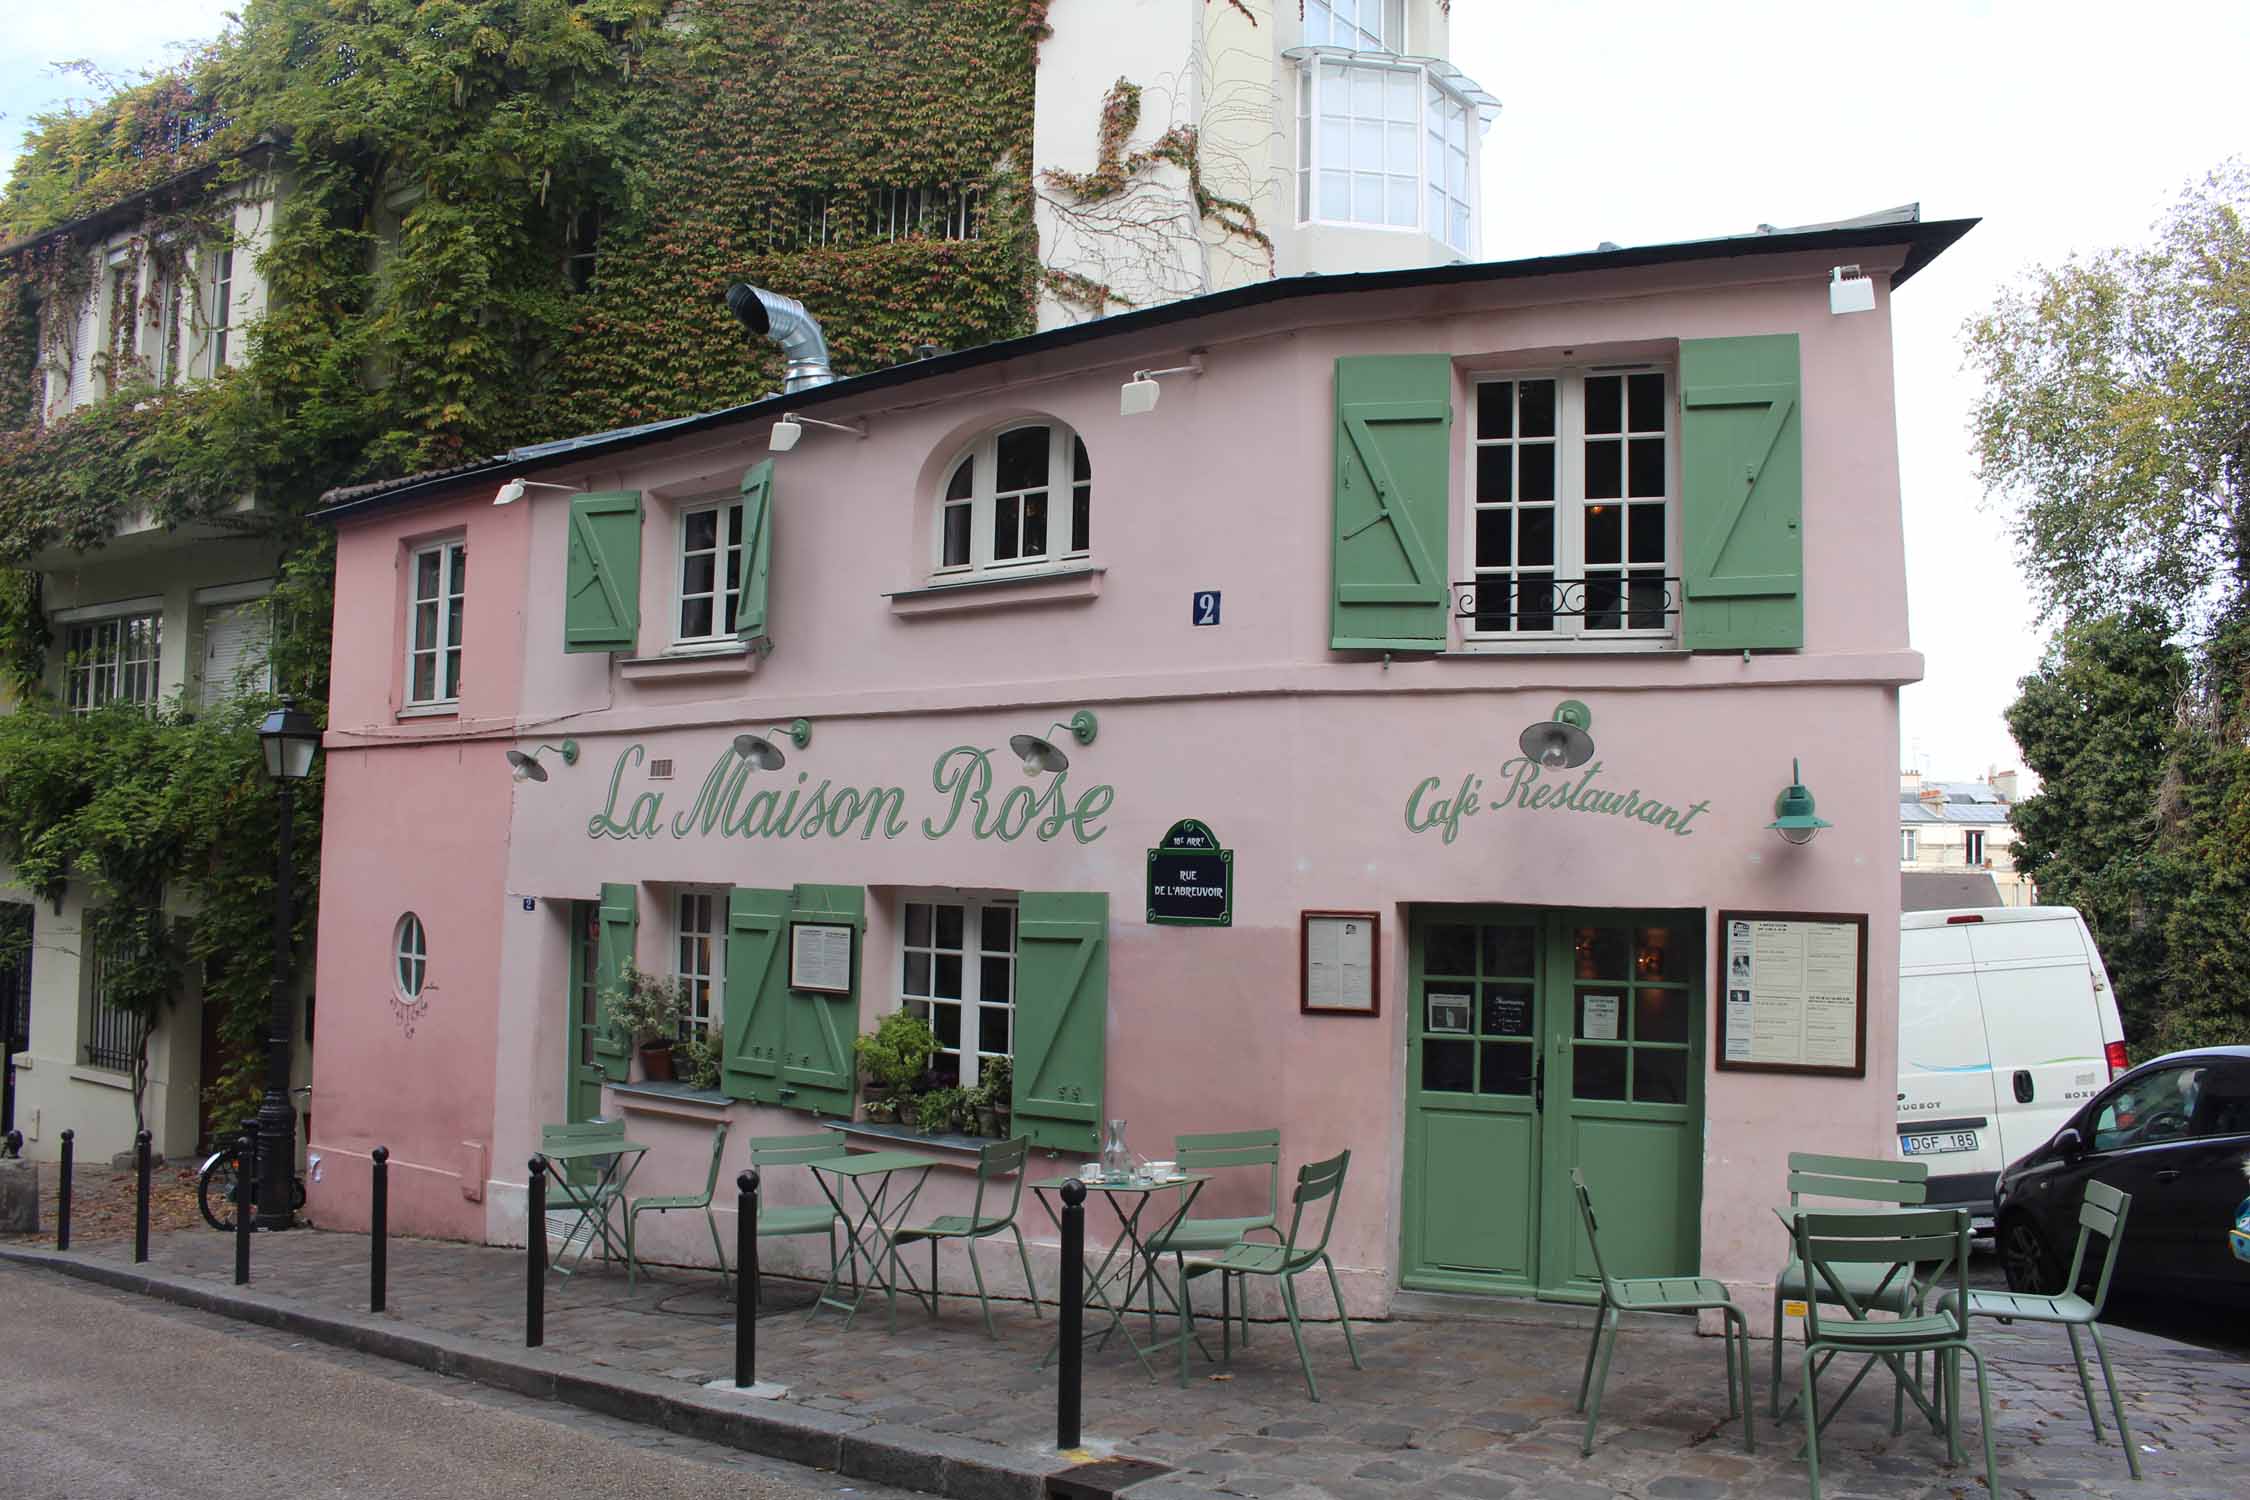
1962,825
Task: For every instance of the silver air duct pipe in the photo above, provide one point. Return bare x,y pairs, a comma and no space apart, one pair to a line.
785,321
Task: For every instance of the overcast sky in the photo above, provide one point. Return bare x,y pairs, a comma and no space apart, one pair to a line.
2064,126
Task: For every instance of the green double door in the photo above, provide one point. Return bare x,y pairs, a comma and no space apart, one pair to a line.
1542,1039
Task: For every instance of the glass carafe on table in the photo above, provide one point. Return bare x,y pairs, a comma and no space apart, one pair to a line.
1117,1161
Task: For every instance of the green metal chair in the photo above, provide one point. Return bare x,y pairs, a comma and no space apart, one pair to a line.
1216,1152
1676,1295
579,1227
776,1221
682,1202
1001,1159
1316,1181
1861,1179
1839,1249
2102,1211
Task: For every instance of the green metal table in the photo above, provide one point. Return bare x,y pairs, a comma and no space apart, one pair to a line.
1788,1217
870,1238
593,1200
1128,1200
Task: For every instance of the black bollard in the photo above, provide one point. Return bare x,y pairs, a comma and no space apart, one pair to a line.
62,1192
378,1231
1073,1314
245,1210
140,1205
535,1236
15,1145
746,1280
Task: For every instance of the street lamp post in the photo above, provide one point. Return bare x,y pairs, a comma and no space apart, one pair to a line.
290,740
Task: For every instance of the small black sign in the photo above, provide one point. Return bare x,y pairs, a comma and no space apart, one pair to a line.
1190,878
1206,611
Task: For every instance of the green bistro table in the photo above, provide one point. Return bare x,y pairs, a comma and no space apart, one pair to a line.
1788,1215
870,1234
1129,1200
593,1200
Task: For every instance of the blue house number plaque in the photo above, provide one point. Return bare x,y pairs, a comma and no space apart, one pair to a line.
1206,610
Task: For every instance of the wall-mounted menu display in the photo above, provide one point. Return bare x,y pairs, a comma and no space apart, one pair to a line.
1793,989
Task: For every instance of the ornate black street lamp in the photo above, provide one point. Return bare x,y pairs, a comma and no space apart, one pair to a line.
291,740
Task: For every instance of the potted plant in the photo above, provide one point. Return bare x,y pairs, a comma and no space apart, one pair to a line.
942,1110
894,1056
647,1007
695,1059
994,1096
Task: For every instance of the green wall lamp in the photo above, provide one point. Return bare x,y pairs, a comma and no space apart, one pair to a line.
1561,742
527,767
1044,755
1793,810
763,754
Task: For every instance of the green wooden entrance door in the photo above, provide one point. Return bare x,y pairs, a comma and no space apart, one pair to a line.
582,1089
1543,1040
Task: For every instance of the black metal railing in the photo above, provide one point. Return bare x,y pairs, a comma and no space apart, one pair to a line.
1604,599
113,1038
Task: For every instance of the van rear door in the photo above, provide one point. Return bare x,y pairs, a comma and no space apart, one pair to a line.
1945,1083
2043,1021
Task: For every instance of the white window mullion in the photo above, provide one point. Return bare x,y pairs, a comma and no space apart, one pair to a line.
1570,502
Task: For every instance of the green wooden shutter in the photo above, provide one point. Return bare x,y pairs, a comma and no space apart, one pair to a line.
757,994
1394,424
619,927
1062,1017
1743,466
757,552
818,1069
602,590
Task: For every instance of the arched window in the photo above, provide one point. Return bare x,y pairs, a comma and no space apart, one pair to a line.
1018,498
411,957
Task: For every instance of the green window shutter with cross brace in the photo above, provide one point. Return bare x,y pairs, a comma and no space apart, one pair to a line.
1393,481
1062,1017
757,994
618,928
750,620
602,580
819,1071
1742,468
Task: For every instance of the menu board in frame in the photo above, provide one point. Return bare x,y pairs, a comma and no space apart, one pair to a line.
1792,992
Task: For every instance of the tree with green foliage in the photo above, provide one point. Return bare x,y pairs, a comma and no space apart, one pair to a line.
2116,425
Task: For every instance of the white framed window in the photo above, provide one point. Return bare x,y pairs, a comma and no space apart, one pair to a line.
1973,845
410,957
122,277
699,958
958,972
112,1034
1906,846
1021,497
112,660
218,320
1571,525
1362,25
1384,145
437,584
710,571
237,645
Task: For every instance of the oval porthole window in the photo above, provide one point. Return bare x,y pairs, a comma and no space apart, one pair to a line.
410,956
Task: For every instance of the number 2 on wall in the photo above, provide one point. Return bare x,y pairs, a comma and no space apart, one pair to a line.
1207,607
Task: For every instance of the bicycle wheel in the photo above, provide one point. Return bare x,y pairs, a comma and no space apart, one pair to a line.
215,1190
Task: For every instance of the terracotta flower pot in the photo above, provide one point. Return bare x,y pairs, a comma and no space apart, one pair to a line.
656,1061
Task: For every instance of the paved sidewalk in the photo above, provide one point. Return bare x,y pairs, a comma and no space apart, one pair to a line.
1467,1406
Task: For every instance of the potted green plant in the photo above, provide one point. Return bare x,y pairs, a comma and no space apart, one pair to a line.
647,1007
994,1096
942,1110
894,1056
695,1059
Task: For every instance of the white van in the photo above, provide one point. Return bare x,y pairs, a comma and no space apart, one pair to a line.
2006,1024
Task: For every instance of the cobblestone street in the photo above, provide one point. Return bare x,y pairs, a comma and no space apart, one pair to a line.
1470,1405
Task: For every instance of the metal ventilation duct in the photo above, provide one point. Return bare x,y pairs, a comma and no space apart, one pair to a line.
785,321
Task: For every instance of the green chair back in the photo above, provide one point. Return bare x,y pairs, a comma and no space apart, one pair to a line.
795,1150
1864,1178
1215,1151
1936,1239
1593,1236
2102,1211
718,1149
1315,1181
998,1160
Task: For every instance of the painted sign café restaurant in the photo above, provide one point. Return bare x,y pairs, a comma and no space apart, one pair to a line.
1447,715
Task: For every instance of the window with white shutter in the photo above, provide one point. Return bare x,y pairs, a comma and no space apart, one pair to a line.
235,641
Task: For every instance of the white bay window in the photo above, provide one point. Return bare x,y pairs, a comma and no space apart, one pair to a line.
1385,143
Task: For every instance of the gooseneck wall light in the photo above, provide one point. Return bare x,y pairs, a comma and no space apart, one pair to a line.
1038,754
513,490
1138,395
791,428
1793,810
1561,742
526,765
763,754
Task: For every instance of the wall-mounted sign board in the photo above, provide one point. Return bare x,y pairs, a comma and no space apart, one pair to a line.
820,957
1342,966
1190,878
1793,989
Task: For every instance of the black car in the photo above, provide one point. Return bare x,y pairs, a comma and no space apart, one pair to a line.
2175,1134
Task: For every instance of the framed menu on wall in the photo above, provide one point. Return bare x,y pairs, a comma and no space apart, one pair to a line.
1792,993
1341,963
820,957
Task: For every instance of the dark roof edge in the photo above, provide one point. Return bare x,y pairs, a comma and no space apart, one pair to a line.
129,206
1924,243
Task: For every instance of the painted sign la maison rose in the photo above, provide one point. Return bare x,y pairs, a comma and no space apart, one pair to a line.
735,803
1430,808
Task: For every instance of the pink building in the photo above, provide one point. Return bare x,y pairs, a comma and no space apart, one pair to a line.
1323,600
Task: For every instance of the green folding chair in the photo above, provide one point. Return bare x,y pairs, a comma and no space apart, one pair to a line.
1676,1295
575,1228
1217,1152
1838,1249
2102,1211
1860,1179
777,1220
1002,1159
1317,1181
682,1202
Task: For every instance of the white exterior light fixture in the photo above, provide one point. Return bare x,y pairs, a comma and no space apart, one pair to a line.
1850,291
1137,396
514,489
791,428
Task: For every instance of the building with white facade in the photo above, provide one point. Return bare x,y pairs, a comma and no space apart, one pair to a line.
1962,826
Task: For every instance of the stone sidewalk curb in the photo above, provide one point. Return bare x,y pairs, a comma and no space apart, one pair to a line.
884,1453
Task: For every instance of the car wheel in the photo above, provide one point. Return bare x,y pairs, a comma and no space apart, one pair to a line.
2024,1256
